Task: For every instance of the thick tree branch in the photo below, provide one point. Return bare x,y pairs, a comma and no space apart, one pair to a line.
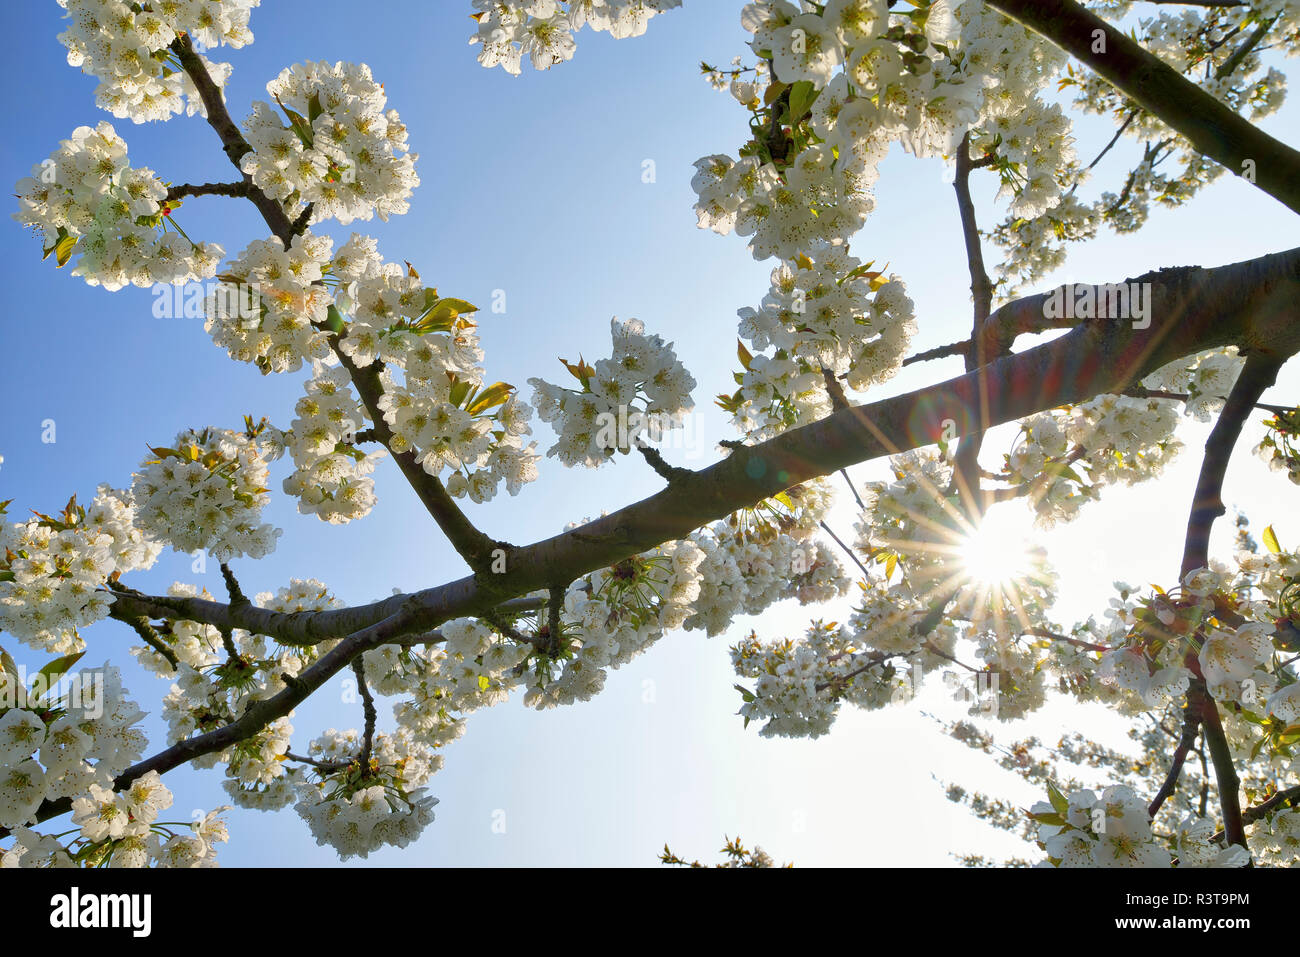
1212,128
1247,304
1257,375
1259,372
984,347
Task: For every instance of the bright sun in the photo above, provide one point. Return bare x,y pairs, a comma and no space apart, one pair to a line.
1001,551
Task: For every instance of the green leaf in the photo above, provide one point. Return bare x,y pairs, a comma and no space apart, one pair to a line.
1270,541
447,309
746,357
802,96
581,371
484,682
1058,799
890,564
745,693
7,663
494,395
459,391
314,108
59,666
1071,474
63,250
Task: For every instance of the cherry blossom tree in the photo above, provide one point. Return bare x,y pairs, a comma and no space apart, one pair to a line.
393,370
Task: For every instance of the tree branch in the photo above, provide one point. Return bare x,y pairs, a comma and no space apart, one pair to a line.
1246,304
983,346
368,710
1259,372
1257,375
1212,128
208,189
475,547
1191,724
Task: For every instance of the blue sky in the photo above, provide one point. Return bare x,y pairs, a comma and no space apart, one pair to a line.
534,185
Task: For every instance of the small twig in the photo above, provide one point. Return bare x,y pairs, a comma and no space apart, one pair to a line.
553,608
940,352
1191,725
301,223
670,473
873,659
1239,54
324,767
368,709
1205,779
1128,121
848,481
847,551
514,634
1076,642
208,189
237,596
833,388
1137,392
154,640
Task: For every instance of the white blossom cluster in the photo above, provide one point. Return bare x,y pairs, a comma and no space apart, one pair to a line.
913,516
614,615
53,569
357,810
87,200
828,310
128,819
435,403
825,312
40,760
332,145
73,745
270,305
755,559
799,685
207,493
1034,248
641,389
474,668
1237,661
1065,457
331,478
912,523
1275,840
542,30
878,78
1113,829
125,47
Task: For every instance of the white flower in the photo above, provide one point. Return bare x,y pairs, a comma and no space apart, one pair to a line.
21,734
